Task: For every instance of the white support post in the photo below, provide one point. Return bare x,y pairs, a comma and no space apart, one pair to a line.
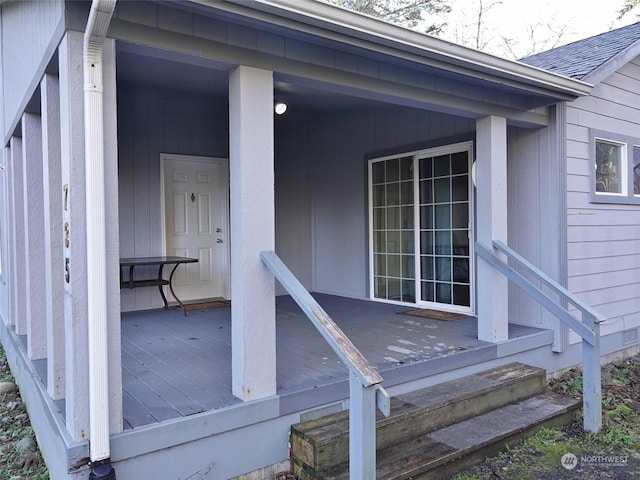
591,378
53,234
112,218
19,248
74,218
252,231
491,188
362,430
33,235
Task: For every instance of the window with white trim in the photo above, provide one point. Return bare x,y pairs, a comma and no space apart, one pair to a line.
616,168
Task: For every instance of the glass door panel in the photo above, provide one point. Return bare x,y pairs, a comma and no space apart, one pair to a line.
420,227
444,229
392,193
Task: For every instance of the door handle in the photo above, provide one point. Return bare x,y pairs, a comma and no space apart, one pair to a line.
219,240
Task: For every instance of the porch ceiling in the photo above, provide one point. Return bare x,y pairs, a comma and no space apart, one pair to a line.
147,66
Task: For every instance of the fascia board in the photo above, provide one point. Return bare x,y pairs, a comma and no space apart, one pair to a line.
613,64
354,28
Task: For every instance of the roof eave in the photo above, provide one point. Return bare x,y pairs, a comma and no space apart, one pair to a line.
612,65
354,25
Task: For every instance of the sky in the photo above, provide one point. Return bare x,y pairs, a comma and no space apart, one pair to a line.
531,23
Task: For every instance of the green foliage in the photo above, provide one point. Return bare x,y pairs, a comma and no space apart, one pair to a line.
625,376
469,476
576,385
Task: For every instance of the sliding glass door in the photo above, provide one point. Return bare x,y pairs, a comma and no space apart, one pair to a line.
420,228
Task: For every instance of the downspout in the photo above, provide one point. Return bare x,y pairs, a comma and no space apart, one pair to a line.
99,446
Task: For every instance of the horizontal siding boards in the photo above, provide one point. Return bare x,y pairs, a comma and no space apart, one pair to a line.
590,266
604,239
578,149
595,233
585,249
614,279
625,216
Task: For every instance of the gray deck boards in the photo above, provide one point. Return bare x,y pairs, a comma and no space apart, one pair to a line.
177,366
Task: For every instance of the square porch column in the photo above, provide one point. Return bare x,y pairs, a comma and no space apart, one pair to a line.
19,276
74,216
53,235
491,205
33,236
251,167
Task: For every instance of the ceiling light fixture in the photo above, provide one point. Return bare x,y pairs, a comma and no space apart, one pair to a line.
279,107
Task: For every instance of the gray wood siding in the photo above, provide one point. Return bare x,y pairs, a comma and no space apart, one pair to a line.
30,32
321,180
604,239
340,185
151,122
294,155
535,224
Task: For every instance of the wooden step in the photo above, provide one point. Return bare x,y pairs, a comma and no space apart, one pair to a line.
444,452
320,445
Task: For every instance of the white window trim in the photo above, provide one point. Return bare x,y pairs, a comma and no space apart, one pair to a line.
417,154
632,166
626,195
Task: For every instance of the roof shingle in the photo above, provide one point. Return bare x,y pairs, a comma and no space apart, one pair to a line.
579,59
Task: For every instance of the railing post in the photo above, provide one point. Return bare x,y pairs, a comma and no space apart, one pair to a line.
362,430
591,377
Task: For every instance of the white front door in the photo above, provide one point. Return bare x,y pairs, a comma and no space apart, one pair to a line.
196,206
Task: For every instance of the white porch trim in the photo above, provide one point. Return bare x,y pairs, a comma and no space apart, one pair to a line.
491,194
251,166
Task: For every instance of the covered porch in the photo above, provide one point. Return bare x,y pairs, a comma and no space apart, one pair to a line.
181,95
175,366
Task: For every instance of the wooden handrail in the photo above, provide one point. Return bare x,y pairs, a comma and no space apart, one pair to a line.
365,389
588,327
335,337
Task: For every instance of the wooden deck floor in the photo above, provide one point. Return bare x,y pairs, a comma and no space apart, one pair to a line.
176,366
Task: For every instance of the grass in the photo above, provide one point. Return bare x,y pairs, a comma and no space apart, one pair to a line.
541,455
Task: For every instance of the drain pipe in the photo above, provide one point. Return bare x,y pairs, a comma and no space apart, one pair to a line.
99,447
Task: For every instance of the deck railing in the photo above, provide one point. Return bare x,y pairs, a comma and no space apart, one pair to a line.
588,327
365,389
